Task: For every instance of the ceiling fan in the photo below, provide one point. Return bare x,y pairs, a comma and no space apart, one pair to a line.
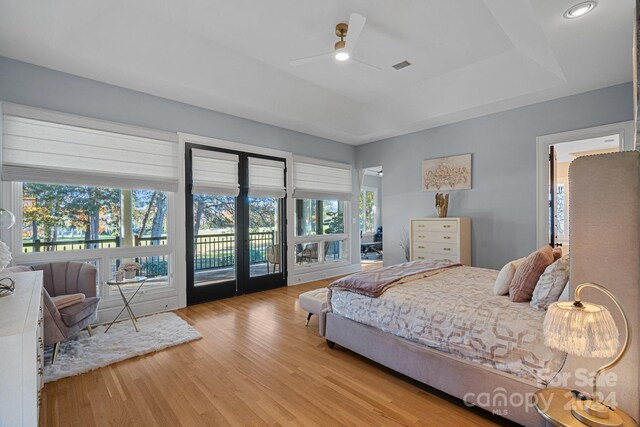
343,49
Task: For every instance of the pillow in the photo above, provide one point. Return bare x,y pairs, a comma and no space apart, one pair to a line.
557,253
63,301
551,284
505,277
528,273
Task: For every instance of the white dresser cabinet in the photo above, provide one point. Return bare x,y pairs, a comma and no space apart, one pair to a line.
21,347
441,238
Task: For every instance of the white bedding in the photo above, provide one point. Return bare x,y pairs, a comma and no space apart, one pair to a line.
454,311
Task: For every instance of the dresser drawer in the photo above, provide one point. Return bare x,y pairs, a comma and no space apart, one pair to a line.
436,248
435,237
438,225
430,256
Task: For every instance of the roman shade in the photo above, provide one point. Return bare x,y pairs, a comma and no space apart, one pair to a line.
266,178
214,173
64,149
321,180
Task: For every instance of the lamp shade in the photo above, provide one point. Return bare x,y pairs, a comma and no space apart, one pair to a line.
7,219
582,329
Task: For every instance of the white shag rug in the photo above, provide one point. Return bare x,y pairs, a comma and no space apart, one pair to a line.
83,353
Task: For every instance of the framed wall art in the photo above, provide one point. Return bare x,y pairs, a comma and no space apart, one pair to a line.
447,173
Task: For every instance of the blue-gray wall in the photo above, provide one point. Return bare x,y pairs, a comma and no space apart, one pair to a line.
502,202
35,86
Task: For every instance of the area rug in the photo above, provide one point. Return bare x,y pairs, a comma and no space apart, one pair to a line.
82,353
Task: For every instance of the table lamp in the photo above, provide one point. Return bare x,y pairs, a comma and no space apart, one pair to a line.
588,330
7,285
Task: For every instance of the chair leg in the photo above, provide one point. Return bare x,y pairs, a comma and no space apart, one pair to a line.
56,347
89,330
308,318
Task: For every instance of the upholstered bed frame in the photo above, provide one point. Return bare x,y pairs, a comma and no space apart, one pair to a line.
605,248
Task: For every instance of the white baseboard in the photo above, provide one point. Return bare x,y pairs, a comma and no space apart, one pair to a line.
142,308
300,278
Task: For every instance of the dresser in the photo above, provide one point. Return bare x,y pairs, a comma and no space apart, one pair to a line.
441,238
21,351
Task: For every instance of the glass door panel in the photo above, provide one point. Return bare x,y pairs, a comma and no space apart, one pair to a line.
265,248
214,239
236,242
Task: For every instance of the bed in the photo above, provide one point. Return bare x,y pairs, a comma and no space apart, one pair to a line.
445,323
447,330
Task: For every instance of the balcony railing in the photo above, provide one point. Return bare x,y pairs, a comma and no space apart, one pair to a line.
211,251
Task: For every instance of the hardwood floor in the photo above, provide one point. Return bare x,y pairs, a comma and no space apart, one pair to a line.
257,364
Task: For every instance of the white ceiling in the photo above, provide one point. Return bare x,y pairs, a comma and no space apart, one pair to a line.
568,151
469,57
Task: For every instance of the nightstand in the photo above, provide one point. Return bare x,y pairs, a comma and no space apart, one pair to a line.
554,405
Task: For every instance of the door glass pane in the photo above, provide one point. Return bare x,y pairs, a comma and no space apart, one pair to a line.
214,235
265,251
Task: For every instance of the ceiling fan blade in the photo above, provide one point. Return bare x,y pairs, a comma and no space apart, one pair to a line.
356,24
310,59
366,64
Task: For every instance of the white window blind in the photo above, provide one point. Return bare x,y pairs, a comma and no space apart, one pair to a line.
316,179
50,152
266,178
214,173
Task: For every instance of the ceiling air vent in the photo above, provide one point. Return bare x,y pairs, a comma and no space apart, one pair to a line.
401,65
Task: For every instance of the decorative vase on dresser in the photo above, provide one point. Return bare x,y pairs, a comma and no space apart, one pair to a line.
21,348
441,238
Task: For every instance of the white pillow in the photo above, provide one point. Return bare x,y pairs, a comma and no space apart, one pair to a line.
506,276
551,284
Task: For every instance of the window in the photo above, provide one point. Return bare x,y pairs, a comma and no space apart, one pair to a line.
314,217
320,231
70,217
562,210
367,209
114,225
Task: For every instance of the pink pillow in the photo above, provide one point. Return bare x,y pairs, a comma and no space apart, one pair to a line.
64,301
528,273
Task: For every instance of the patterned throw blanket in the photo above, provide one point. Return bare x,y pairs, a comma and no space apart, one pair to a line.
375,282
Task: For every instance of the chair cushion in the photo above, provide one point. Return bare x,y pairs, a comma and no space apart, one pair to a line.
314,301
77,312
64,301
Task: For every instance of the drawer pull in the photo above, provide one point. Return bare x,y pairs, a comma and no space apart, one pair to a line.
421,225
40,371
447,237
420,257
420,247
447,249
446,226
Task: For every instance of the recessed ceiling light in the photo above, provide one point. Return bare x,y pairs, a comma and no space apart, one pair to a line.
342,56
580,9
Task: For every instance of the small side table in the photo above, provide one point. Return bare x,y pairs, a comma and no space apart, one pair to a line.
127,303
554,405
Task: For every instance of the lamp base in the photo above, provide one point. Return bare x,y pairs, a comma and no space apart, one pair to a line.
595,414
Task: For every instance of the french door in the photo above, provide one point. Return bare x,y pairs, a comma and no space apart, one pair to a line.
235,223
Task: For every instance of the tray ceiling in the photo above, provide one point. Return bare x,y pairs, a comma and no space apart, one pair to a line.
469,57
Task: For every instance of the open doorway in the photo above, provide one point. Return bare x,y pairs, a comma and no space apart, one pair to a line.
370,218
555,154
560,157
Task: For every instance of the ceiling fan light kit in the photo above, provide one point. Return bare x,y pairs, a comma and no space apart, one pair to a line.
342,51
